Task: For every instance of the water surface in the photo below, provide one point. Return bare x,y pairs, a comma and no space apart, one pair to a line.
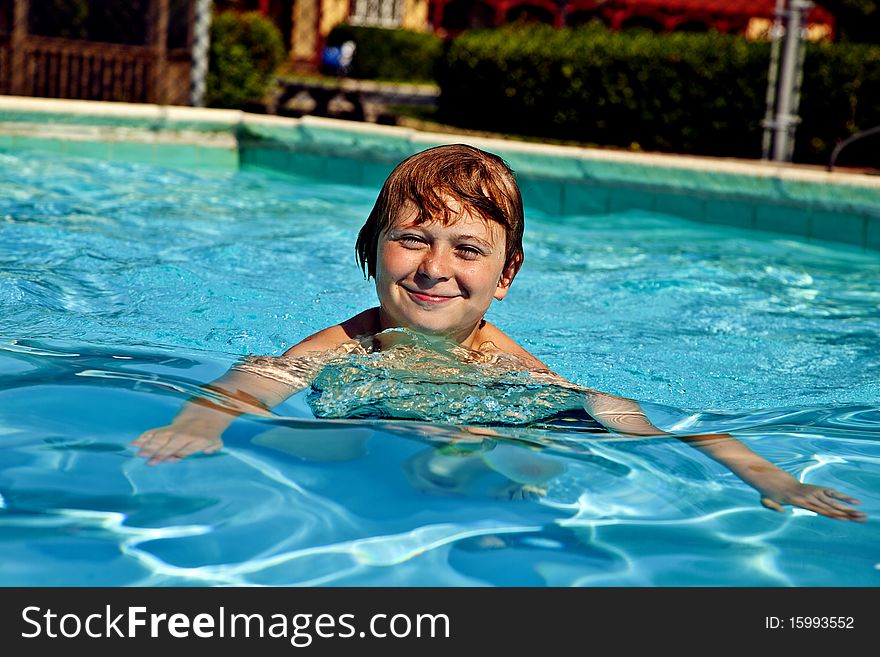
123,288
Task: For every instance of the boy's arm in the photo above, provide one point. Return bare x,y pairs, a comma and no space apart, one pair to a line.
776,486
625,416
254,387
200,423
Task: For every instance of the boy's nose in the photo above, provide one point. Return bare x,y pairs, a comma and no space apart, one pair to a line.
435,266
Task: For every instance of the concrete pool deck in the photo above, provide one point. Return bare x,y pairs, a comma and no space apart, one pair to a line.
796,200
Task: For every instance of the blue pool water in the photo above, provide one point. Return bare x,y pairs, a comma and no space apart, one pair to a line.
124,287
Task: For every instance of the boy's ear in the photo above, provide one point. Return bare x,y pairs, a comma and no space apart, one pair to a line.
507,276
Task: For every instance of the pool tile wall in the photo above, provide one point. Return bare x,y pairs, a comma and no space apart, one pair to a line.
808,203
783,199
121,131
172,149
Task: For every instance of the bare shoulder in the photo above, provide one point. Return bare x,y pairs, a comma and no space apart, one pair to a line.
365,323
489,333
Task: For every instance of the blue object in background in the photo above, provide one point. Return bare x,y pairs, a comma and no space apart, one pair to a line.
337,60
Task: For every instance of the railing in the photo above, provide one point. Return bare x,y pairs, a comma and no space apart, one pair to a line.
57,68
5,65
132,52
846,142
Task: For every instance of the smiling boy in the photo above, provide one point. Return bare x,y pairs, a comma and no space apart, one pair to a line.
443,241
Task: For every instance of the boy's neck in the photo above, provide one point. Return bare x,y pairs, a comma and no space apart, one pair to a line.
469,340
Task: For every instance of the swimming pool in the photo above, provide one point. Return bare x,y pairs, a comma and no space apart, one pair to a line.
123,287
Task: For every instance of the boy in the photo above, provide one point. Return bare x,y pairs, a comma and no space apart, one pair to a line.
443,241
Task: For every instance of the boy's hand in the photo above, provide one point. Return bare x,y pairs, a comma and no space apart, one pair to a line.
822,500
175,441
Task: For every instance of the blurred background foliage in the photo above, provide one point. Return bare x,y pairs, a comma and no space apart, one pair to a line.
688,92
383,54
246,50
683,92
677,92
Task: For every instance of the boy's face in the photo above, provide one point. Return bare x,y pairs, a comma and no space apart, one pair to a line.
441,279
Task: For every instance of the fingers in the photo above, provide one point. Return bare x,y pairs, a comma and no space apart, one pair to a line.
172,448
159,447
824,509
826,502
143,438
169,444
840,496
830,499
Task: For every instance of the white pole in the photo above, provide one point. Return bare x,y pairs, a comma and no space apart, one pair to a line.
777,30
201,44
786,117
805,6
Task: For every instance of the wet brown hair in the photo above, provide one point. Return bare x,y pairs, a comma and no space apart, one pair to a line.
481,182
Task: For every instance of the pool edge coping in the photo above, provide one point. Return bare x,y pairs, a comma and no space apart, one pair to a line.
797,200
168,115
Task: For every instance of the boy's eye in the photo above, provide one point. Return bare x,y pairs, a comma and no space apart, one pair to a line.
469,252
466,251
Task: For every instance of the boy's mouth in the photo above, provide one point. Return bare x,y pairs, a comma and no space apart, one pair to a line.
423,298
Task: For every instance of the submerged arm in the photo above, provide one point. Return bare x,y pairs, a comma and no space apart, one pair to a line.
254,387
776,486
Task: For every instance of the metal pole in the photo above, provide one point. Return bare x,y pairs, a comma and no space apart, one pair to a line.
786,119
805,6
777,30
201,44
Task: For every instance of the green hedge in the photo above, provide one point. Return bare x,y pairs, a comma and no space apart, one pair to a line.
246,48
840,96
383,54
680,92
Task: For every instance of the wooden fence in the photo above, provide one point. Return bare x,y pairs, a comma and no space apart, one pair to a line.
52,67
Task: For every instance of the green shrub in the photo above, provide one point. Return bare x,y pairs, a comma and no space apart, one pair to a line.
246,48
383,54
840,96
681,92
